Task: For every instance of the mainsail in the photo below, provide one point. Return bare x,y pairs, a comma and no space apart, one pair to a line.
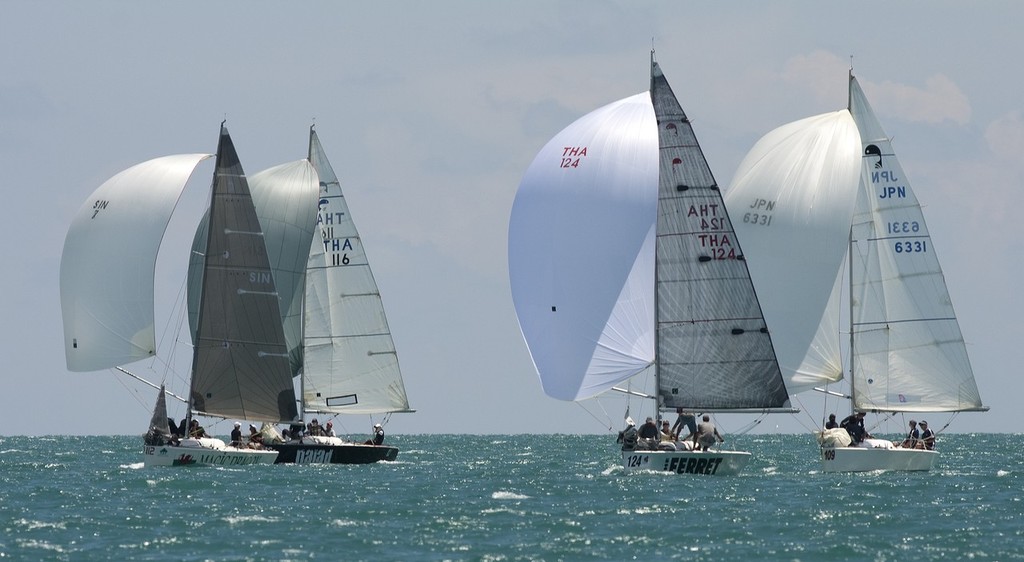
714,350
240,365
285,198
108,264
620,246
908,352
349,360
792,198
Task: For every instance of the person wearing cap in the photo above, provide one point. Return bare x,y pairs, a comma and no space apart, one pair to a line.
195,430
831,423
927,436
910,441
649,430
329,429
314,428
378,435
854,425
707,434
628,437
236,435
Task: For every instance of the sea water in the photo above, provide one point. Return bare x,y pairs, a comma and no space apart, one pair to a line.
507,497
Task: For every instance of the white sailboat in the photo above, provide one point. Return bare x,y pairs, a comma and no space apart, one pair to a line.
855,205
340,345
240,362
622,258
349,364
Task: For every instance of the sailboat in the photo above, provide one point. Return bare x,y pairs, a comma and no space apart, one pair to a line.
239,363
622,258
340,346
907,353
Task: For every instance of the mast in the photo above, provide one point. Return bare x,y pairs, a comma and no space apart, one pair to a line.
657,325
302,330
849,255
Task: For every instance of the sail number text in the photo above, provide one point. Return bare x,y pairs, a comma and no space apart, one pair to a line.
571,156
761,213
713,237
911,247
98,206
635,461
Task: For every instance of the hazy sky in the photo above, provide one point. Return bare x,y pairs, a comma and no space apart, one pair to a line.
431,112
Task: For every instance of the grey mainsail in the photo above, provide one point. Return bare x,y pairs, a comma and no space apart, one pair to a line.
714,351
240,365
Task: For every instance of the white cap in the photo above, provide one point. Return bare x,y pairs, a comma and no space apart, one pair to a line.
238,424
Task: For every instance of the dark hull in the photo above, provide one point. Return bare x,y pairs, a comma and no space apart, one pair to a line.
297,453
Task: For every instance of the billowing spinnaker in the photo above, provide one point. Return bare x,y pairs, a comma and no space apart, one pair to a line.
581,250
109,263
791,203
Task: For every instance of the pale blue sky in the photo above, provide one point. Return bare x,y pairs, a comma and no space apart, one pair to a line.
430,113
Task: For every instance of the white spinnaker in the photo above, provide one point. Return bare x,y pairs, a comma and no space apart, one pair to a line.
908,351
581,250
109,263
791,203
285,197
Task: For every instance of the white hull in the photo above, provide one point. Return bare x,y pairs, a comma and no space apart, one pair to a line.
718,463
861,459
204,452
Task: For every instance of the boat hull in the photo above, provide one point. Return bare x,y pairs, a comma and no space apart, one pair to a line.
348,453
860,459
168,455
716,463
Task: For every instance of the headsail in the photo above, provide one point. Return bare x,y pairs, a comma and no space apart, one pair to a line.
714,350
791,199
581,250
109,262
908,352
240,366
159,429
350,363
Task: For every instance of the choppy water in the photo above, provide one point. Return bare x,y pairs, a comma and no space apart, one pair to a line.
509,497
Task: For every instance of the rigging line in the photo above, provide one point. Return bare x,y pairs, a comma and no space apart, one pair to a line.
809,424
606,415
943,428
750,426
591,414
132,391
